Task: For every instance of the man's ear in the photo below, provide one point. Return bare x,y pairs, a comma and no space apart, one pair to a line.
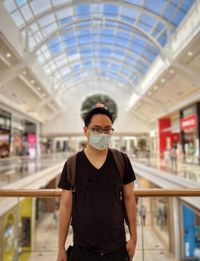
85,129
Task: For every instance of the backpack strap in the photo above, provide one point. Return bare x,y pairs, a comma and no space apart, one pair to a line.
119,160
71,171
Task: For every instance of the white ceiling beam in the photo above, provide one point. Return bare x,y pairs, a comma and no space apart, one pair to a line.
46,101
14,71
138,116
195,97
187,72
144,59
155,103
11,73
88,80
129,6
82,71
144,35
133,69
52,116
4,60
8,103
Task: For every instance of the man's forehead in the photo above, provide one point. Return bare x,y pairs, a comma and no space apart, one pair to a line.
100,118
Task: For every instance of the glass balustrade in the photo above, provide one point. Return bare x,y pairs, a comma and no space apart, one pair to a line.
168,227
14,169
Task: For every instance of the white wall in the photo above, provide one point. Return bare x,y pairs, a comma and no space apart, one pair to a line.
127,122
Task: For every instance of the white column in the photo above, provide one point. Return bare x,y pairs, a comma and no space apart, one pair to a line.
128,145
176,228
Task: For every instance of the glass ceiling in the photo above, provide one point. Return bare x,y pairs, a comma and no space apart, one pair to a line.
113,40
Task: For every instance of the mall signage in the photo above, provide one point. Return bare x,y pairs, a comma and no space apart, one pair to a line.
189,122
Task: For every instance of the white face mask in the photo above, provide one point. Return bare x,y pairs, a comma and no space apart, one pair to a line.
99,141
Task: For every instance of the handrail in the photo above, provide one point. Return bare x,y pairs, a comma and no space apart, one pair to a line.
48,193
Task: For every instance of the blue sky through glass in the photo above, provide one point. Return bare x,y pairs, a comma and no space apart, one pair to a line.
114,37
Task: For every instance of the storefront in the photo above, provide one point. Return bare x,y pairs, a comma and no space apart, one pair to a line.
168,134
16,232
5,133
29,147
190,135
190,233
17,134
23,142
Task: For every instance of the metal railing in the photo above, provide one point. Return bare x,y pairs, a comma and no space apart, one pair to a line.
175,192
144,196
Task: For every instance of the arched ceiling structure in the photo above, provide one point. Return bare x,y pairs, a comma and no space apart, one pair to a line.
85,47
113,40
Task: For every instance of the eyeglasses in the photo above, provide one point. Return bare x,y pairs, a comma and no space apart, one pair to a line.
99,130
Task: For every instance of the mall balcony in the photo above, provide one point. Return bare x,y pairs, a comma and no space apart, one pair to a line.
138,58
29,201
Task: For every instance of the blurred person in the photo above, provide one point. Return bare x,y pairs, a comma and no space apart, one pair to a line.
56,212
158,215
180,157
96,203
173,158
56,216
142,213
167,158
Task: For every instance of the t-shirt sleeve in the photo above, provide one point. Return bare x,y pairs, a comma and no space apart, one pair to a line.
129,175
64,182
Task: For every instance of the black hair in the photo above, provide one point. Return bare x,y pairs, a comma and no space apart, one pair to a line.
95,111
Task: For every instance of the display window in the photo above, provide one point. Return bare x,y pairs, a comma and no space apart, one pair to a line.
191,233
190,136
4,143
191,146
5,131
160,218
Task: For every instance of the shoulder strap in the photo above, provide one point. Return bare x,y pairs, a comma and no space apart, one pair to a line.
119,160
118,157
71,170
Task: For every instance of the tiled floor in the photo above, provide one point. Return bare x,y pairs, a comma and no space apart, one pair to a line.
46,243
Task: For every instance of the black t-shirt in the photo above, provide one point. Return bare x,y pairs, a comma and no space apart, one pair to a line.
97,214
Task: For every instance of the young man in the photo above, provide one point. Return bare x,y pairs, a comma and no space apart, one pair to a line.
96,206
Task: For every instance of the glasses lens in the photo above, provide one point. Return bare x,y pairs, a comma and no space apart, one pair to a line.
96,130
108,131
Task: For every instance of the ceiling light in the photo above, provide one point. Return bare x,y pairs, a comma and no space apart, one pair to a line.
8,55
171,71
24,72
155,87
190,53
32,81
162,80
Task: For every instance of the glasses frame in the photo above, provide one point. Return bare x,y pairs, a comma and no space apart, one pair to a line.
99,130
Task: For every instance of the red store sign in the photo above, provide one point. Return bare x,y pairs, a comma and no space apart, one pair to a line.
189,122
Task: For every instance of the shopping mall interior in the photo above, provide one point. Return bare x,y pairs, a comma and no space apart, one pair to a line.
138,58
